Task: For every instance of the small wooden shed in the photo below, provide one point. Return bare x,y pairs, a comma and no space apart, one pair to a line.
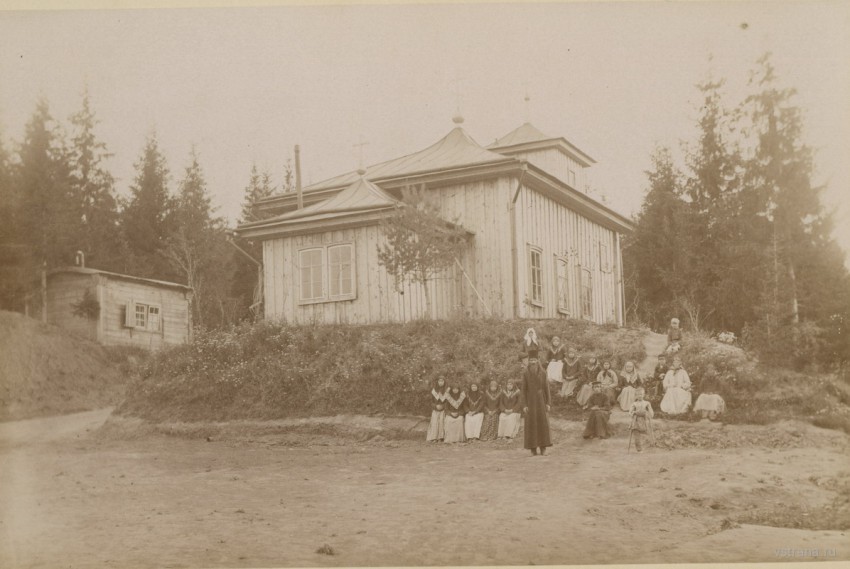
117,309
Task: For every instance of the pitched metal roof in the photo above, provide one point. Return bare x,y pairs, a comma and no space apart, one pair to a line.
528,137
520,135
455,150
361,195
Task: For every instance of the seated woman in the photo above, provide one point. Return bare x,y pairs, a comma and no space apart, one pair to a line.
674,337
608,379
571,373
510,406
555,367
630,381
454,415
597,420
474,413
588,376
677,390
710,404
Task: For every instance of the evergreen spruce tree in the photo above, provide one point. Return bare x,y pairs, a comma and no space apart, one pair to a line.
146,218
93,192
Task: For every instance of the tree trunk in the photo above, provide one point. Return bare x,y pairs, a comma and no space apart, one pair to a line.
795,307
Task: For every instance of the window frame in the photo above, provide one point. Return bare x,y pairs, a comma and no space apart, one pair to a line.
131,318
604,260
586,293
534,250
562,293
325,274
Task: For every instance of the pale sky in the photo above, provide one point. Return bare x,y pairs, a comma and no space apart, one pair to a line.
245,85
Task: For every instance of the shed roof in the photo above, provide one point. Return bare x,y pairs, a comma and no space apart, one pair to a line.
120,276
456,149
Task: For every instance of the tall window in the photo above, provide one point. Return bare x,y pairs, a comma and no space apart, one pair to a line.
563,283
312,263
604,262
535,256
327,273
340,266
586,293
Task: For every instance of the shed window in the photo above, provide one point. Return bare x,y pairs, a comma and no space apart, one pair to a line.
586,293
143,316
327,273
535,258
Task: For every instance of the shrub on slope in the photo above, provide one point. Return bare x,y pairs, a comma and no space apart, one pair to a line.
267,371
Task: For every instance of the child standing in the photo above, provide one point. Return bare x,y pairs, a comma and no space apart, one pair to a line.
589,374
436,428
571,373
454,415
641,412
474,413
510,407
597,421
492,400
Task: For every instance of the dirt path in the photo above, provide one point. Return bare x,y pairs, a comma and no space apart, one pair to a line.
46,429
272,498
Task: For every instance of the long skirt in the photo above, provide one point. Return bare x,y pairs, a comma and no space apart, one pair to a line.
611,394
472,425
553,372
436,428
710,402
490,426
584,394
597,424
626,398
569,387
676,401
509,424
454,429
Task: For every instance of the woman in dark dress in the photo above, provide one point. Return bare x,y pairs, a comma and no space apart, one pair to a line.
535,392
492,407
597,420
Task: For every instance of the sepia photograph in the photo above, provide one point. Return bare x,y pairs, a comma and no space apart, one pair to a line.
389,284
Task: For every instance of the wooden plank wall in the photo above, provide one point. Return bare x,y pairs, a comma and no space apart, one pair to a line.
117,293
556,163
64,290
377,299
558,230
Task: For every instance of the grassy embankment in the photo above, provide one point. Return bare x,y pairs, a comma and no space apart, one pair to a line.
270,371
46,371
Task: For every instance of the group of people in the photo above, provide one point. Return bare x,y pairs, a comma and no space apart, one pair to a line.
459,415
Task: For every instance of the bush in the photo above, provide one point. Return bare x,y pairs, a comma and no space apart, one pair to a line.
268,370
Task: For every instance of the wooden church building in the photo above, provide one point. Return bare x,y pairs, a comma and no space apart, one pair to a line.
538,246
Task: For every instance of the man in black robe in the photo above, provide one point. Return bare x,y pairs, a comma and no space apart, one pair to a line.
536,398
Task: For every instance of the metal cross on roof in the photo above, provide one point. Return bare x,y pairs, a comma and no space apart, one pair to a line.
359,147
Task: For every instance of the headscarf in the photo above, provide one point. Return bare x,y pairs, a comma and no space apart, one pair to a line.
631,376
473,396
530,337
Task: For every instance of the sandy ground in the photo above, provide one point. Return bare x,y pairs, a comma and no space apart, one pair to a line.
73,496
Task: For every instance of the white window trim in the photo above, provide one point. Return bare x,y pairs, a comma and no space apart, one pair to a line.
582,271
130,316
326,281
324,264
535,249
350,295
563,303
